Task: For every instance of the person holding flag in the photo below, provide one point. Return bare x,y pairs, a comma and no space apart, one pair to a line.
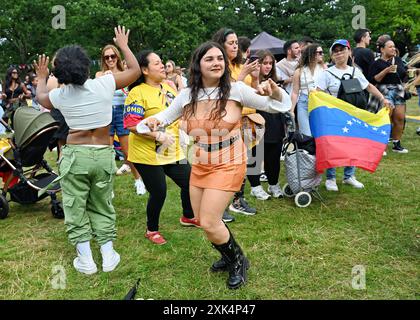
329,81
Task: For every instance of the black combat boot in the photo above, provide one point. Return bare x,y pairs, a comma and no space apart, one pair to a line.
236,262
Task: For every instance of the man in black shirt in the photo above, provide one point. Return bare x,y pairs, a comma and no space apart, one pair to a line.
363,56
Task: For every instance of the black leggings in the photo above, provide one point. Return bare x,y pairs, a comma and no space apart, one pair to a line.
272,152
154,178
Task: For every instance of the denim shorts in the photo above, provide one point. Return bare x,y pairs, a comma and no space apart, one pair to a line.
117,125
394,98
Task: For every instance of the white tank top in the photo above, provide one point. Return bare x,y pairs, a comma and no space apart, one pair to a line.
307,80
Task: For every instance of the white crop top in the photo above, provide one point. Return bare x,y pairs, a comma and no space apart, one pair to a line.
88,106
307,80
239,92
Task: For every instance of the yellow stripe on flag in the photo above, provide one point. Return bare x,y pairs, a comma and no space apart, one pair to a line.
319,99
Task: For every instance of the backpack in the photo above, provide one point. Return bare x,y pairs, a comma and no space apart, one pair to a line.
351,91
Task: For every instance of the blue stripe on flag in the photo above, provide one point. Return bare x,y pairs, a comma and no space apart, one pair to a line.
326,121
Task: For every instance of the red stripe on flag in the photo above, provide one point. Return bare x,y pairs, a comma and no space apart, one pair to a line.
336,151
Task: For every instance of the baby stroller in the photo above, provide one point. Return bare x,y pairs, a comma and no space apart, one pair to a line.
22,160
299,157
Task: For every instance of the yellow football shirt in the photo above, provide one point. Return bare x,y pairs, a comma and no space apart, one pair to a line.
142,102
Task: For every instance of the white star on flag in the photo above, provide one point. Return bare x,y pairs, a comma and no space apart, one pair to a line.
383,132
345,130
349,123
366,125
376,129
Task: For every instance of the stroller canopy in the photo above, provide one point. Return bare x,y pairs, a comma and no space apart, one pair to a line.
27,122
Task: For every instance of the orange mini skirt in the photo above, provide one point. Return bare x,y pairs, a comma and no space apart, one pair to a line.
224,176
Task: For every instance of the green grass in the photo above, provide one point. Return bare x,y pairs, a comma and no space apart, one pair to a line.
294,253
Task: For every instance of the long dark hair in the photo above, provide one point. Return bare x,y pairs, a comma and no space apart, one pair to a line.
308,56
196,83
143,60
220,38
9,77
262,54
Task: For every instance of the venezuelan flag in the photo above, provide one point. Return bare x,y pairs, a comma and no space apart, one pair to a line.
346,135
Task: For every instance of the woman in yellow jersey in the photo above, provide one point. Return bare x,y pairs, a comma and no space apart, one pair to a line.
249,74
158,154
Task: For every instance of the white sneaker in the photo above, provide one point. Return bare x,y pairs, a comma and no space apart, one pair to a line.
140,187
331,185
85,264
124,169
384,154
259,193
275,191
110,260
353,182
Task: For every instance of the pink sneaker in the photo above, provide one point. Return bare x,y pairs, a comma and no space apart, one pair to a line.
155,237
189,222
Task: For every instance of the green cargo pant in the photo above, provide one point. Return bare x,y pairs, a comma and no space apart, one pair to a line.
87,179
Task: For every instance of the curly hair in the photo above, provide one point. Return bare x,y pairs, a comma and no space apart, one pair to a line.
71,65
220,38
308,55
196,83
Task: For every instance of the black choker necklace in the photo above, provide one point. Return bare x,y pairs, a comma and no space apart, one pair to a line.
209,94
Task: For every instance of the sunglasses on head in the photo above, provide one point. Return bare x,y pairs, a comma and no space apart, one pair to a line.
112,57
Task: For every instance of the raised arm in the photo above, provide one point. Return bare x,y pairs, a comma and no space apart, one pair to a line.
269,97
132,73
42,72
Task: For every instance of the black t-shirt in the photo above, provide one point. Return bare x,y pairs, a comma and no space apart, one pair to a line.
390,78
363,57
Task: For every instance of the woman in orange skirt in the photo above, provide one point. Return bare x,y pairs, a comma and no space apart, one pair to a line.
211,112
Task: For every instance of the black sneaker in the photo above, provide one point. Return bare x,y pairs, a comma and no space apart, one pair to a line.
227,217
241,206
398,147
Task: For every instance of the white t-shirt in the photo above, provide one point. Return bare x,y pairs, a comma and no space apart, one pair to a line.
88,106
330,84
239,92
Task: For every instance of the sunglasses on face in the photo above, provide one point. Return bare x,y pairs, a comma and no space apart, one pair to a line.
320,52
112,57
14,72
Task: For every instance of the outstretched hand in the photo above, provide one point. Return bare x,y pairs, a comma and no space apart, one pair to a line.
121,36
41,67
269,88
152,123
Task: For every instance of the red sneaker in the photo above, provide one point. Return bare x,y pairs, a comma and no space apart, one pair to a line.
155,237
189,222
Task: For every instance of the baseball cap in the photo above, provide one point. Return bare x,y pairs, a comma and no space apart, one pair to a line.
341,42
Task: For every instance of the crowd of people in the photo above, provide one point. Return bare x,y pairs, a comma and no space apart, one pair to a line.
192,129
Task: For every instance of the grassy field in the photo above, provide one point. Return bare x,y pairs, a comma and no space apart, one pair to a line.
294,253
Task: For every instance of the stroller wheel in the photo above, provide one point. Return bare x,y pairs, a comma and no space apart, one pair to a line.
303,199
4,207
287,191
57,211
